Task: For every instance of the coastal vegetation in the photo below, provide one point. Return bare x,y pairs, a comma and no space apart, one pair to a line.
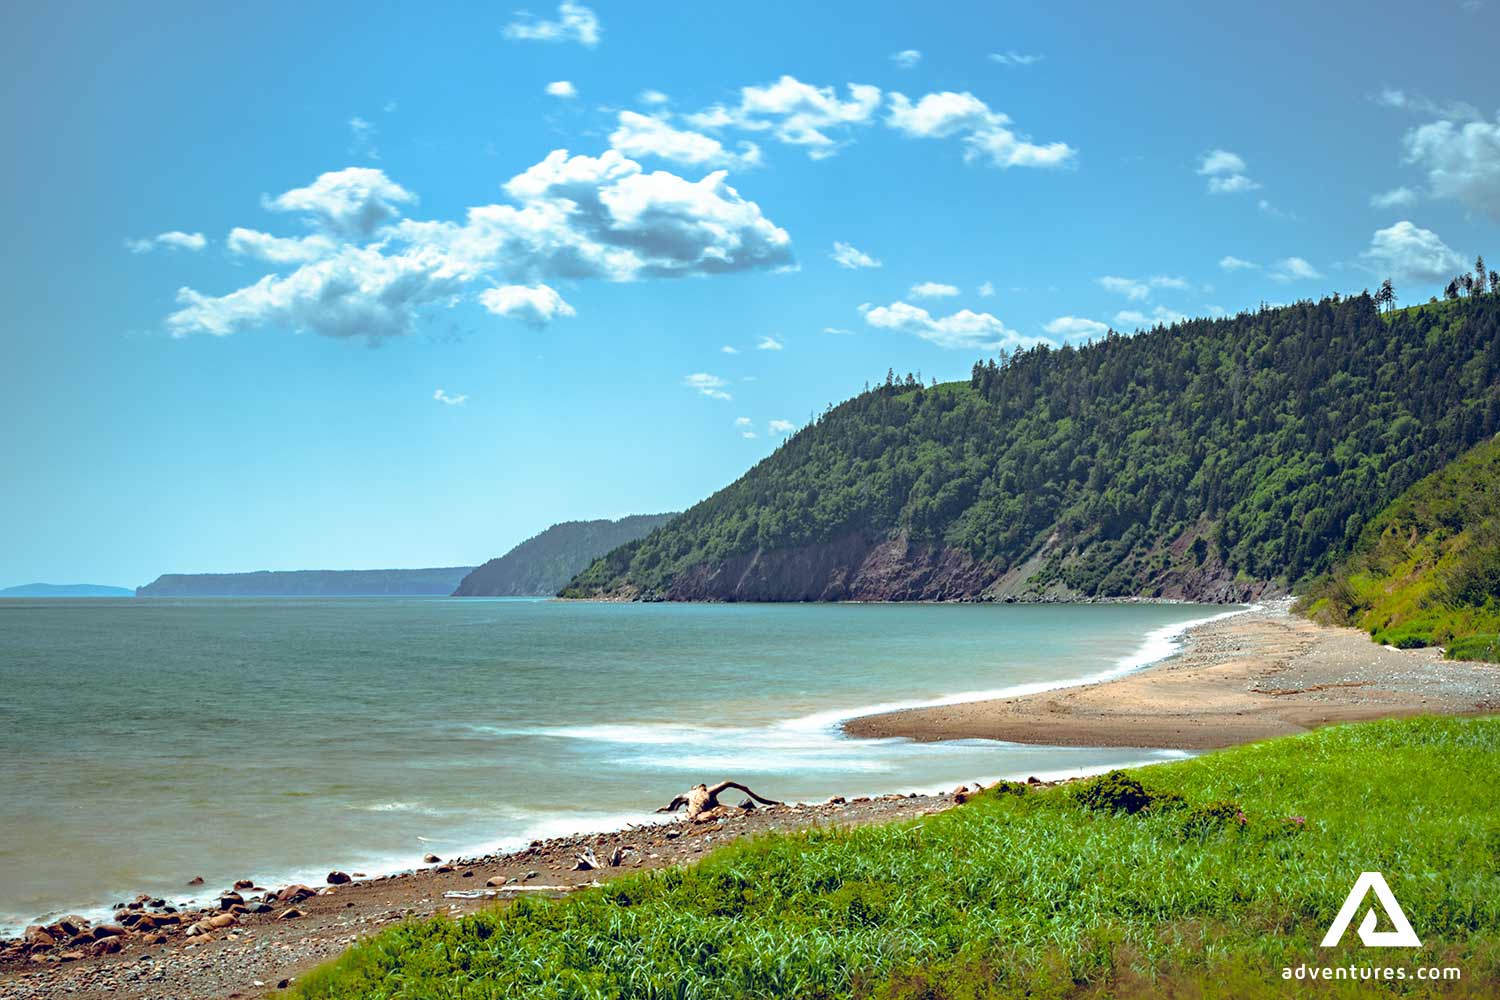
1426,570
545,562
1206,459
1207,877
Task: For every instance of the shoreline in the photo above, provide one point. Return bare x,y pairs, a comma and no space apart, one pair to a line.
1239,677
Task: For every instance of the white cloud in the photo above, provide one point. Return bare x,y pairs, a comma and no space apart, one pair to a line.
933,290
534,305
1136,318
749,435
172,240
351,203
985,133
1137,289
1403,100
1399,197
1230,263
1294,269
838,331
562,88
986,290
906,58
639,136
1014,58
1226,172
964,329
451,400
848,256
654,97
1408,252
726,349
782,426
574,217
796,113
279,249
1075,326
362,138
742,421
769,344
1462,161
575,23
707,385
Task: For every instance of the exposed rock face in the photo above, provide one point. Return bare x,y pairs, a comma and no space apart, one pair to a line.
857,568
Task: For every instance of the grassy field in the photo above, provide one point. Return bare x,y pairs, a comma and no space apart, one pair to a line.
1233,871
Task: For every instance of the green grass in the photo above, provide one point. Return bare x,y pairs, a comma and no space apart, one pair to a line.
1426,570
1042,893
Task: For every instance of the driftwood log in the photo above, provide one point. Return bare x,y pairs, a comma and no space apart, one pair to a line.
700,799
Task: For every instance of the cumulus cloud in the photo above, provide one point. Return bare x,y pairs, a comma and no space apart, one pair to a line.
1076,326
986,290
726,349
452,400
742,421
985,133
1462,161
278,249
641,135
573,217
574,23
933,290
1226,172
1294,269
351,203
1408,252
782,426
1231,263
1014,58
963,330
848,256
906,58
171,240
562,88
769,344
707,385
654,97
796,113
1399,197
1138,289
534,305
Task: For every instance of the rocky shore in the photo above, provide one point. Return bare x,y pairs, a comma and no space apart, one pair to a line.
247,940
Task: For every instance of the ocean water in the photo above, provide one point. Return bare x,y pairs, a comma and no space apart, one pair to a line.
144,742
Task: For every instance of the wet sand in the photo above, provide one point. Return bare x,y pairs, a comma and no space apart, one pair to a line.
1252,676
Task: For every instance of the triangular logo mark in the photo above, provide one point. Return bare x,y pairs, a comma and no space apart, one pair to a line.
1402,937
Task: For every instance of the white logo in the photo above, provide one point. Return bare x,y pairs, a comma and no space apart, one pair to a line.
1402,937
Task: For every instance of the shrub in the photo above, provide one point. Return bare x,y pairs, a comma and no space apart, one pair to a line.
1118,792
1485,647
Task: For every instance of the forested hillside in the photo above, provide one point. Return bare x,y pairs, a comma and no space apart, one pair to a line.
543,563
1214,459
1426,570
429,582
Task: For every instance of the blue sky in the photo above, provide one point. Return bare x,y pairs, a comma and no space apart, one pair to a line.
293,289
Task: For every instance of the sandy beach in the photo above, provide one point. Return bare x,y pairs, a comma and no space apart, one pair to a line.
1248,677
1255,675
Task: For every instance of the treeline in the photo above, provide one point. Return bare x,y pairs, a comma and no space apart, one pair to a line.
1255,447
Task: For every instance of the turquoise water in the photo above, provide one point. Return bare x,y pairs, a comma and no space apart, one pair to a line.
144,742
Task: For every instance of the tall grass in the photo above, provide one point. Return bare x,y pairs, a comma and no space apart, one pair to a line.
1033,894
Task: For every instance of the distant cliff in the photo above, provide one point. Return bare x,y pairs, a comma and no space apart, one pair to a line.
543,563
65,590
309,583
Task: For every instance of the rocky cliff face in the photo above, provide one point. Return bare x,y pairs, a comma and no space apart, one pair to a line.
856,568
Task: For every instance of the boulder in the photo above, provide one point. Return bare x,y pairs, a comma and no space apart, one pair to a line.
244,883
497,881
108,930
105,946
294,894
430,859
38,937
291,913
338,878
230,899
222,920
443,869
